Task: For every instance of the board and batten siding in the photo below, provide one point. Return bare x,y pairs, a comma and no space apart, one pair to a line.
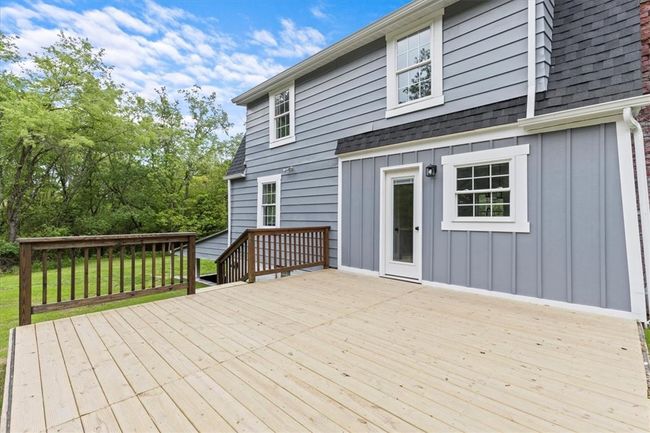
575,251
484,56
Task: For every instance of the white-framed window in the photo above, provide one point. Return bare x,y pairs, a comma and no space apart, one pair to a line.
268,201
486,190
414,67
282,116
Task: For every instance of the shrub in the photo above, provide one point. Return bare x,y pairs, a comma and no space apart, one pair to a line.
8,254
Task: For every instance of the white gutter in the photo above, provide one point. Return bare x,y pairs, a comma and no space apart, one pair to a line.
235,176
591,113
532,58
642,185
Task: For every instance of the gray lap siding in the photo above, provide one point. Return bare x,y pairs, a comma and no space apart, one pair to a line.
575,251
348,97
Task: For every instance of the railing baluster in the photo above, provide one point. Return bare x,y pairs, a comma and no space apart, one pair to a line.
180,261
110,270
58,276
85,272
153,265
191,265
173,253
121,269
98,263
132,268
143,260
44,271
162,265
25,292
73,278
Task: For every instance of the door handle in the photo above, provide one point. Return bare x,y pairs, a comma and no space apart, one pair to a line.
417,229
396,229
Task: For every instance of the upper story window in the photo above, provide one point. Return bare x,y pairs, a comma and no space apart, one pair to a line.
268,201
486,190
281,116
414,68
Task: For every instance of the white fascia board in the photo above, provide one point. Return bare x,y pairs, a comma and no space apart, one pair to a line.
593,113
376,30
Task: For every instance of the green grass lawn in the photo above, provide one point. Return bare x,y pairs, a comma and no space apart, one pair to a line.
647,337
9,292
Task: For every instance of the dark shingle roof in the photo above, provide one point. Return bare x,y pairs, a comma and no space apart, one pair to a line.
238,165
499,113
596,54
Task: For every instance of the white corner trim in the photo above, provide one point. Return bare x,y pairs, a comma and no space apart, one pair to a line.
631,227
474,136
229,213
642,184
517,222
531,300
339,215
532,58
593,113
393,107
276,142
277,179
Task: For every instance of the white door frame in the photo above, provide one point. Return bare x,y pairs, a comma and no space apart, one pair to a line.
418,168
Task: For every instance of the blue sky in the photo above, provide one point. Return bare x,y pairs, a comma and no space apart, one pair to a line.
223,46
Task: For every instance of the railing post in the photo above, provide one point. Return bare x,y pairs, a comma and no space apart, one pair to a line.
326,248
219,272
25,283
251,257
191,265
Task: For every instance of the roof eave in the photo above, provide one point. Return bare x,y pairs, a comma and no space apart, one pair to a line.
361,37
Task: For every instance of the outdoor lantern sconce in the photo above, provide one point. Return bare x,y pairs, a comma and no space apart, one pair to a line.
430,170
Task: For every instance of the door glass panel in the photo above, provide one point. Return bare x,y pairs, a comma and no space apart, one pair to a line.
403,219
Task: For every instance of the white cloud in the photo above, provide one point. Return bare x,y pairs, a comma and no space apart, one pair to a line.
264,37
318,12
150,46
292,42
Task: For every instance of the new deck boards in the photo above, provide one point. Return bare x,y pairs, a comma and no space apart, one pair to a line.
329,352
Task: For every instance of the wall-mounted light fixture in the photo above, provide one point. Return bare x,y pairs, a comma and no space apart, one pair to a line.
287,170
430,170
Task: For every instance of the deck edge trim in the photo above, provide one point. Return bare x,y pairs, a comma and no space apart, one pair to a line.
646,359
5,419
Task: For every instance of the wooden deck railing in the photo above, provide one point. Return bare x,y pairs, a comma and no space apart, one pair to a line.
119,263
274,250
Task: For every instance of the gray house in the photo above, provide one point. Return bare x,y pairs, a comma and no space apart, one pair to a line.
484,146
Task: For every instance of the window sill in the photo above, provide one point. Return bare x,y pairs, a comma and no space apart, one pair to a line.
282,141
486,226
417,105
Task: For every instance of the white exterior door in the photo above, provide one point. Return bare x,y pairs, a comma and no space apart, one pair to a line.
401,217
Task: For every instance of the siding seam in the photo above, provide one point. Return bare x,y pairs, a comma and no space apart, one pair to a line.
569,231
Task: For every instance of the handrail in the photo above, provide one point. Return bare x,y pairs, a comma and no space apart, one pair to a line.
262,251
110,284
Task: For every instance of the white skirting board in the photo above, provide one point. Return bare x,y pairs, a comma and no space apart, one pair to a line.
510,296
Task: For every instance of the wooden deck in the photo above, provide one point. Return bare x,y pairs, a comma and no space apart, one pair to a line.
328,352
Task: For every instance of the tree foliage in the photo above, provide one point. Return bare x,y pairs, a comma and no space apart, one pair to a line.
80,155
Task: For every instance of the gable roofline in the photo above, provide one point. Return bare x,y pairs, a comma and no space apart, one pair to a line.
371,32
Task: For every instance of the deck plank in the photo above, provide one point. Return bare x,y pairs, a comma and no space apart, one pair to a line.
58,397
325,352
87,390
27,412
113,382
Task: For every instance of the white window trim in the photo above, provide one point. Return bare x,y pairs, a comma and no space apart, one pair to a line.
275,142
393,107
277,179
518,219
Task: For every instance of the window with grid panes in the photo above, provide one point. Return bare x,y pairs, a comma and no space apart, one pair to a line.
483,190
269,204
282,117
